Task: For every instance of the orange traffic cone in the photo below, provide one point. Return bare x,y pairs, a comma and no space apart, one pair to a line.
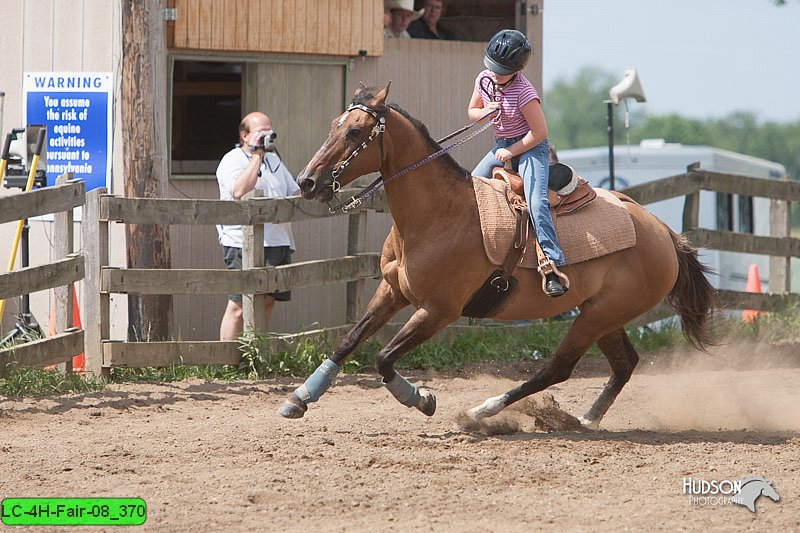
753,285
78,361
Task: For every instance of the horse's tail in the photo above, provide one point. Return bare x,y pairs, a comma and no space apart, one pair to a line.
693,297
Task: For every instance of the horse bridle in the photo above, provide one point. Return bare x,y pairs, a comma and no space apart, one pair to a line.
380,127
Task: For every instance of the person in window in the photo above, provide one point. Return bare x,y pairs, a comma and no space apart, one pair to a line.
252,165
428,26
403,14
521,137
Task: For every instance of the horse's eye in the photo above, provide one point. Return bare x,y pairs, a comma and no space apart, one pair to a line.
353,133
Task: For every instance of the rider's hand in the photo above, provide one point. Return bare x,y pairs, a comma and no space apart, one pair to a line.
503,155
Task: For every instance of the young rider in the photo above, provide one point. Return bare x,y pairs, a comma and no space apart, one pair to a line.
520,135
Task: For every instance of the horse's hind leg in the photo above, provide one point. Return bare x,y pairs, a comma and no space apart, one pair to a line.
571,349
385,303
622,357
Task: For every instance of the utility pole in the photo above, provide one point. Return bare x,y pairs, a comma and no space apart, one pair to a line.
144,138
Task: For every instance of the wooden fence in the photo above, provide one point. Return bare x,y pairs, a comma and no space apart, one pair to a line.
253,281
102,280
778,245
60,274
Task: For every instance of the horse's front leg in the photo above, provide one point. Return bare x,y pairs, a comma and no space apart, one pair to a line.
385,303
421,326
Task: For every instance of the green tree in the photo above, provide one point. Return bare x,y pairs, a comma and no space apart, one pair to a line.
672,128
576,116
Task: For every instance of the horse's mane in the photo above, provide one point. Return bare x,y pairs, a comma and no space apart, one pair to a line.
423,129
365,96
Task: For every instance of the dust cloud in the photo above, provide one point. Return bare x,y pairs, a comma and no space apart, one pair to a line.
735,387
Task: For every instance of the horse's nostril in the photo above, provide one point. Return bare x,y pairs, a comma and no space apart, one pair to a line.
307,185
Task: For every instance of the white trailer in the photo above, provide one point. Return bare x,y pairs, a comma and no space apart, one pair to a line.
654,159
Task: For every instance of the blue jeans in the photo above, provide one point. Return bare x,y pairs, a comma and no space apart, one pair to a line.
533,167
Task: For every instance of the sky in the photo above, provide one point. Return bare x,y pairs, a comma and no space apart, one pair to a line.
697,58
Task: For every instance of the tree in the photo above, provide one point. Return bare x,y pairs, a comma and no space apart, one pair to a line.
145,157
576,116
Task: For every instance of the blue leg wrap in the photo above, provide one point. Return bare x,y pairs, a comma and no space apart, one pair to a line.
318,382
403,391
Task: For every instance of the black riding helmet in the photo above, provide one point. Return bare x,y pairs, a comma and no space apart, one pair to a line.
508,52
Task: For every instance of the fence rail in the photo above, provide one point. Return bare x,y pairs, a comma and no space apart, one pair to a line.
101,279
59,274
254,280
779,245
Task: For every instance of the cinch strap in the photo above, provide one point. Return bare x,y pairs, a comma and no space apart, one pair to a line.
403,391
318,382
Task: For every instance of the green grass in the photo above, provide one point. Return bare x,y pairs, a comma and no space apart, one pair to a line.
24,381
530,342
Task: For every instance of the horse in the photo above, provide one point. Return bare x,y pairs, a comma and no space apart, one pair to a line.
751,489
433,259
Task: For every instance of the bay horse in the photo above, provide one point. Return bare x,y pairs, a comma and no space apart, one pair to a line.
434,260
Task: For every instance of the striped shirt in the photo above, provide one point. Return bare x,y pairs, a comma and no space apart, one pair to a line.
512,98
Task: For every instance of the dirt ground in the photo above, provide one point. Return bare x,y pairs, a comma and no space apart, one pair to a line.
214,456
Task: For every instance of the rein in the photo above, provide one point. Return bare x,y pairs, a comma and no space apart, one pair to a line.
380,181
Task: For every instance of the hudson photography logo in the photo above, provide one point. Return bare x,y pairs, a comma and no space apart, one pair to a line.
745,491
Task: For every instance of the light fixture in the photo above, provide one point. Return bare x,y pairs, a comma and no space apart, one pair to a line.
628,87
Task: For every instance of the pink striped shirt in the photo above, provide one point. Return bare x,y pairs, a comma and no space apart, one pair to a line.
512,98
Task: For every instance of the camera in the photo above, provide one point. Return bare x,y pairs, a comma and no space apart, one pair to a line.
267,140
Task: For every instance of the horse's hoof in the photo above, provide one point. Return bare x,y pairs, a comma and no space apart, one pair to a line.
490,407
427,402
589,424
293,407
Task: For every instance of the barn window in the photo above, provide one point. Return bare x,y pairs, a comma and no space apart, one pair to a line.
206,111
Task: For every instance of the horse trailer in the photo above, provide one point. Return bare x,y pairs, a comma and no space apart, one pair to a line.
654,159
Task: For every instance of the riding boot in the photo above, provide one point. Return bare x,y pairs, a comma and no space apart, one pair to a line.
553,285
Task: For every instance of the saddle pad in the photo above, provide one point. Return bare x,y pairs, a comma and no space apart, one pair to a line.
600,227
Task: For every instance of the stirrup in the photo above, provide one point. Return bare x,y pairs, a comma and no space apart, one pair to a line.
547,266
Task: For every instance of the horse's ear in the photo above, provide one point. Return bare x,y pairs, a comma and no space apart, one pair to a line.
380,98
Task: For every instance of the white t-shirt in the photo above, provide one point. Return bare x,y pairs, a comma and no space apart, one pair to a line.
275,180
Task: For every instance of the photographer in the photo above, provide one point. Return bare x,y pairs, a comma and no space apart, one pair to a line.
254,164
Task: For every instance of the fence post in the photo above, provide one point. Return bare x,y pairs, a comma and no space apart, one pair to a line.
691,205
64,241
253,257
780,224
95,302
356,244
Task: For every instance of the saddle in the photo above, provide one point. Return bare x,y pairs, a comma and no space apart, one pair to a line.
567,192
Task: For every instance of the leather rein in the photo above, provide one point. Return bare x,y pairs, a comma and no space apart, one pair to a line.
377,131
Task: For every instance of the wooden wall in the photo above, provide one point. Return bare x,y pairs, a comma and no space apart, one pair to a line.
337,27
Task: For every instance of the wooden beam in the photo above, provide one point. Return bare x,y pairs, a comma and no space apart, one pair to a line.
760,302
780,225
39,278
167,353
41,202
206,212
747,185
745,243
254,316
96,304
223,281
43,352
663,189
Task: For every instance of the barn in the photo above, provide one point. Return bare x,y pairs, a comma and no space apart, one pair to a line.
296,60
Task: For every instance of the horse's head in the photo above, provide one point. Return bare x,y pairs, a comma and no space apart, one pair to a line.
354,146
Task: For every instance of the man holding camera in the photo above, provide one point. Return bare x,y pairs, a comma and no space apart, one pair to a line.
254,164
